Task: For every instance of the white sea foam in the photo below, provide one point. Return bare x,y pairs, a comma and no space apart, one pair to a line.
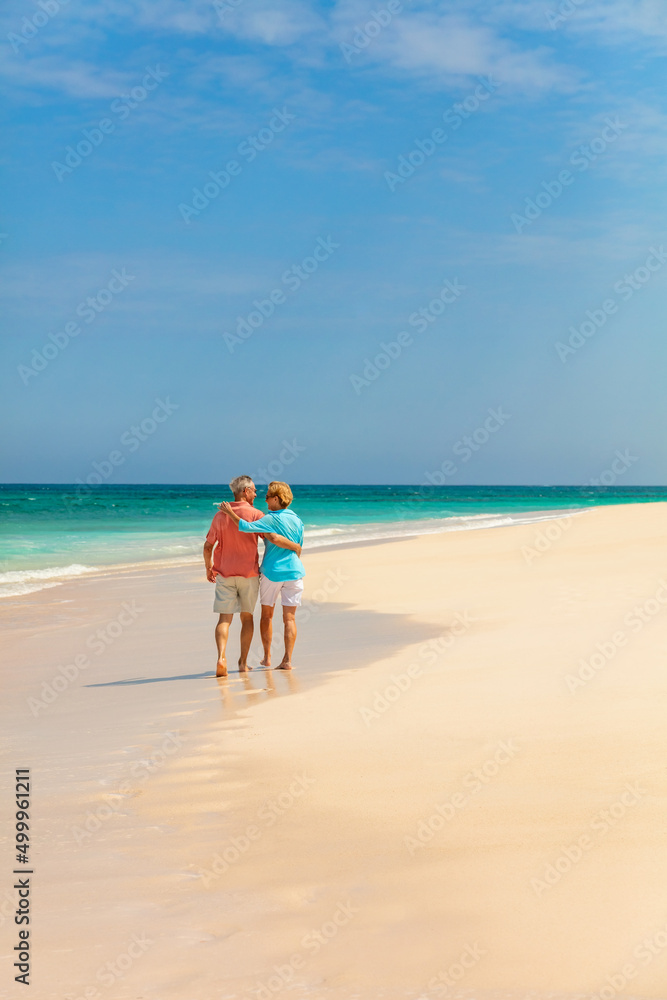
17,583
21,589
353,533
321,532
28,575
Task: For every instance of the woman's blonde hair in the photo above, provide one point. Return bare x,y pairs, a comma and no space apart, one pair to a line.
282,491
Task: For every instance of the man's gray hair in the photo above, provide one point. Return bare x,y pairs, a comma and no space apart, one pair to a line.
241,483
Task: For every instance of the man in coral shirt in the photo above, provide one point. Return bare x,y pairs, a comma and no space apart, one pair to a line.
232,563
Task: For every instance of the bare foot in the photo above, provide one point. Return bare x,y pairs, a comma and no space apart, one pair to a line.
285,665
221,668
243,667
266,662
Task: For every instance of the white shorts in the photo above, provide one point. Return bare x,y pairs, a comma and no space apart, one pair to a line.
289,590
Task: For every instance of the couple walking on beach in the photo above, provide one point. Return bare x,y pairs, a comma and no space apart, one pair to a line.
232,563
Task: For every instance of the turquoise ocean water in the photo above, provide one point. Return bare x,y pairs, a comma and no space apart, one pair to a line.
52,532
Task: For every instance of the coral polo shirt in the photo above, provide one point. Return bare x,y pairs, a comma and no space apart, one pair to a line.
235,554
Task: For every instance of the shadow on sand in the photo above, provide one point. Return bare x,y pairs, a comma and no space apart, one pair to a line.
332,638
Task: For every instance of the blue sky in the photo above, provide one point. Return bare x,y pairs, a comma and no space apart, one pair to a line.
316,105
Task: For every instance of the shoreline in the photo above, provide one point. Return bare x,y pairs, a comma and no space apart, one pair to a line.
21,583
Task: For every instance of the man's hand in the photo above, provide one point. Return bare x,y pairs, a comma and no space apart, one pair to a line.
208,561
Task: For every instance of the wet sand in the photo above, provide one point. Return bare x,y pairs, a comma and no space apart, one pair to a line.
459,792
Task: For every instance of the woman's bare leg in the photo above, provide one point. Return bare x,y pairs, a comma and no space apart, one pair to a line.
289,620
266,632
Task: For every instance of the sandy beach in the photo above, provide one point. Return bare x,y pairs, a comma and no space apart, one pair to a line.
459,792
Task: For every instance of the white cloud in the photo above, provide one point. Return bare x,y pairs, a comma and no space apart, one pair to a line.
303,157
448,44
433,44
248,73
265,22
465,177
54,286
621,22
434,47
452,47
194,17
73,77
601,246
638,154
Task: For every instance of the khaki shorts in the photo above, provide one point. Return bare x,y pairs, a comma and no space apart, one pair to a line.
235,593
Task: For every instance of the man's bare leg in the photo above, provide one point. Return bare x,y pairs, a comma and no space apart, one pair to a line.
289,620
221,636
266,631
247,630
